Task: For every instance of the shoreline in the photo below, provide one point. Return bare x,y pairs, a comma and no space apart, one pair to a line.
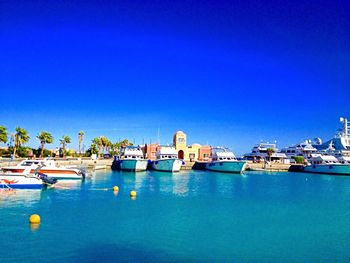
107,163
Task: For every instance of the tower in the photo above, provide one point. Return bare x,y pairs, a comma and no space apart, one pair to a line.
180,143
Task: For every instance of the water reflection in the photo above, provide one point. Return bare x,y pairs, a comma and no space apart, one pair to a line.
34,227
68,184
22,197
180,183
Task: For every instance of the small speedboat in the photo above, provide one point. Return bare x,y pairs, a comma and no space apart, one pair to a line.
48,167
25,180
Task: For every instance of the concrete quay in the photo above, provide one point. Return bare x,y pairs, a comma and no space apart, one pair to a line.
271,167
106,164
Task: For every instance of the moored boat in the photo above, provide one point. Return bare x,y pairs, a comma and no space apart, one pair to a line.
167,160
131,159
224,160
327,164
48,167
25,180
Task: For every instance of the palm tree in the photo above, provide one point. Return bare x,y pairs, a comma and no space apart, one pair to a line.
44,137
80,139
97,142
64,141
3,134
270,151
104,142
21,137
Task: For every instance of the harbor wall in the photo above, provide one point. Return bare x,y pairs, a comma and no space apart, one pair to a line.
88,162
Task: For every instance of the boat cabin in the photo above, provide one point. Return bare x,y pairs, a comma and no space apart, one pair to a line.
323,159
131,152
166,152
344,159
44,162
222,154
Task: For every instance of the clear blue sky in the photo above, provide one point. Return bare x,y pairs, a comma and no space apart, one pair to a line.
225,72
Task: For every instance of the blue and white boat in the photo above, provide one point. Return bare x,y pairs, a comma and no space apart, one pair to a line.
131,159
25,180
327,164
167,160
224,160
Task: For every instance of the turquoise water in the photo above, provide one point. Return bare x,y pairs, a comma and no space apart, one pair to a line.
189,216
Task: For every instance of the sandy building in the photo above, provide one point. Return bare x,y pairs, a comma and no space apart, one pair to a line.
192,152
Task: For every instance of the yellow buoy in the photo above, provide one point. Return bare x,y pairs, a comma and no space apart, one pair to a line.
115,188
132,193
34,219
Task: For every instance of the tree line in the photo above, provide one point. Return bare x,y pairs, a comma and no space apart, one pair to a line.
16,144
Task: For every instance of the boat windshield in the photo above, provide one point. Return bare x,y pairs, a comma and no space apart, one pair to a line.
30,163
168,156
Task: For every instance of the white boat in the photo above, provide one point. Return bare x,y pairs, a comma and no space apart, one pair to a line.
259,153
327,164
224,160
339,145
48,167
344,159
305,149
131,159
167,160
24,180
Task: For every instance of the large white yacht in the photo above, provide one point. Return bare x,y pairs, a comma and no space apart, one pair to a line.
340,144
260,153
327,164
224,160
305,149
131,159
167,160
48,167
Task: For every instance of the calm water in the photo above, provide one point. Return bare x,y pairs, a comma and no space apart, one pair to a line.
190,216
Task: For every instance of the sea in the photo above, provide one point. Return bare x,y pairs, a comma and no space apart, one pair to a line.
190,216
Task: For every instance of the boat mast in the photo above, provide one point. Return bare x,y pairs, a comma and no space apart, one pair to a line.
346,127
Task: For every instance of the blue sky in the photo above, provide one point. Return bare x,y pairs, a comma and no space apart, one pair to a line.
225,72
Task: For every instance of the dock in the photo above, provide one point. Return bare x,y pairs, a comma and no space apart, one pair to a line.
271,167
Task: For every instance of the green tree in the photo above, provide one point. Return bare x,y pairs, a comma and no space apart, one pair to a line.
44,137
80,140
97,143
64,141
3,134
299,159
21,137
92,150
106,144
270,152
23,151
115,148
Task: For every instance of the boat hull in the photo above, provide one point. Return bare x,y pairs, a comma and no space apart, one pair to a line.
167,165
20,182
336,169
226,166
133,165
59,174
